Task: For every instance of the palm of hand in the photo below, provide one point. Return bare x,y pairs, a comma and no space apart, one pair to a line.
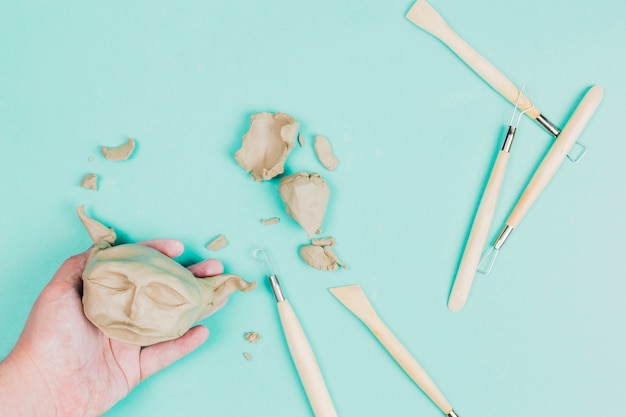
86,372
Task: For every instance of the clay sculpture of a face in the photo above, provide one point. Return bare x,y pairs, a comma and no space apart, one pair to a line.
137,295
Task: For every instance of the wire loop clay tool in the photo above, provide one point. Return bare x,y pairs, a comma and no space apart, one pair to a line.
546,170
426,17
484,216
355,300
301,352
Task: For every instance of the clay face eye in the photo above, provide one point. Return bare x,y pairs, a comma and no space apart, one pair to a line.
164,295
112,281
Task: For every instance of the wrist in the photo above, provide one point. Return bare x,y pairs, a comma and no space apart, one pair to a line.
23,391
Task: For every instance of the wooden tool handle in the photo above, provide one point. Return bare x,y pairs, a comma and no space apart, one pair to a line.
557,153
478,235
305,362
408,363
424,16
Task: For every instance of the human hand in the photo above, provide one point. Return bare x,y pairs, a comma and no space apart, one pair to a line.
62,365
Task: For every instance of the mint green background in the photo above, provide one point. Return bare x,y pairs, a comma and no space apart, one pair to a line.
416,132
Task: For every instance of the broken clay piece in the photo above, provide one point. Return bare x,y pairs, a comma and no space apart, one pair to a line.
248,356
300,140
271,220
217,243
90,181
323,241
137,295
119,153
305,197
267,144
321,257
325,153
252,337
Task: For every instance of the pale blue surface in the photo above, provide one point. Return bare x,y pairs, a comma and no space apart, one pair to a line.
416,132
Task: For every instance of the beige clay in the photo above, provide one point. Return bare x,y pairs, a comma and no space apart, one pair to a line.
271,220
325,153
218,243
267,144
90,181
137,295
320,257
119,153
306,198
252,337
323,241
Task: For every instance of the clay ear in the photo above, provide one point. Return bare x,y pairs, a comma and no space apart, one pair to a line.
99,233
221,286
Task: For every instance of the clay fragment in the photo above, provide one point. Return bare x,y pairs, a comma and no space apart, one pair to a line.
119,153
218,243
320,257
271,220
328,251
300,140
323,241
325,153
305,197
137,295
252,337
248,356
90,181
267,144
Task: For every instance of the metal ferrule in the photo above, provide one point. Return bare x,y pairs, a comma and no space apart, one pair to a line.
508,140
278,293
503,237
548,125
452,414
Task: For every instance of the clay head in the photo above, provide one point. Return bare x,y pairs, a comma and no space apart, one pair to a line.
137,295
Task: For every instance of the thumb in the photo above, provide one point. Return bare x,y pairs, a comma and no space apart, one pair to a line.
70,273
156,357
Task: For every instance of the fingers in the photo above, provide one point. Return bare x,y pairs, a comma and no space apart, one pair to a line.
168,247
207,268
154,358
174,248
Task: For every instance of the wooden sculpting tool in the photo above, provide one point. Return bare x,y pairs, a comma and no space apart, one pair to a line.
353,297
299,347
426,17
482,221
546,170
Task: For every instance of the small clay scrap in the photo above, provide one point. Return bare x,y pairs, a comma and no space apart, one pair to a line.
306,197
323,241
267,144
119,153
90,181
252,337
325,153
248,356
321,257
218,243
300,140
271,220
137,295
